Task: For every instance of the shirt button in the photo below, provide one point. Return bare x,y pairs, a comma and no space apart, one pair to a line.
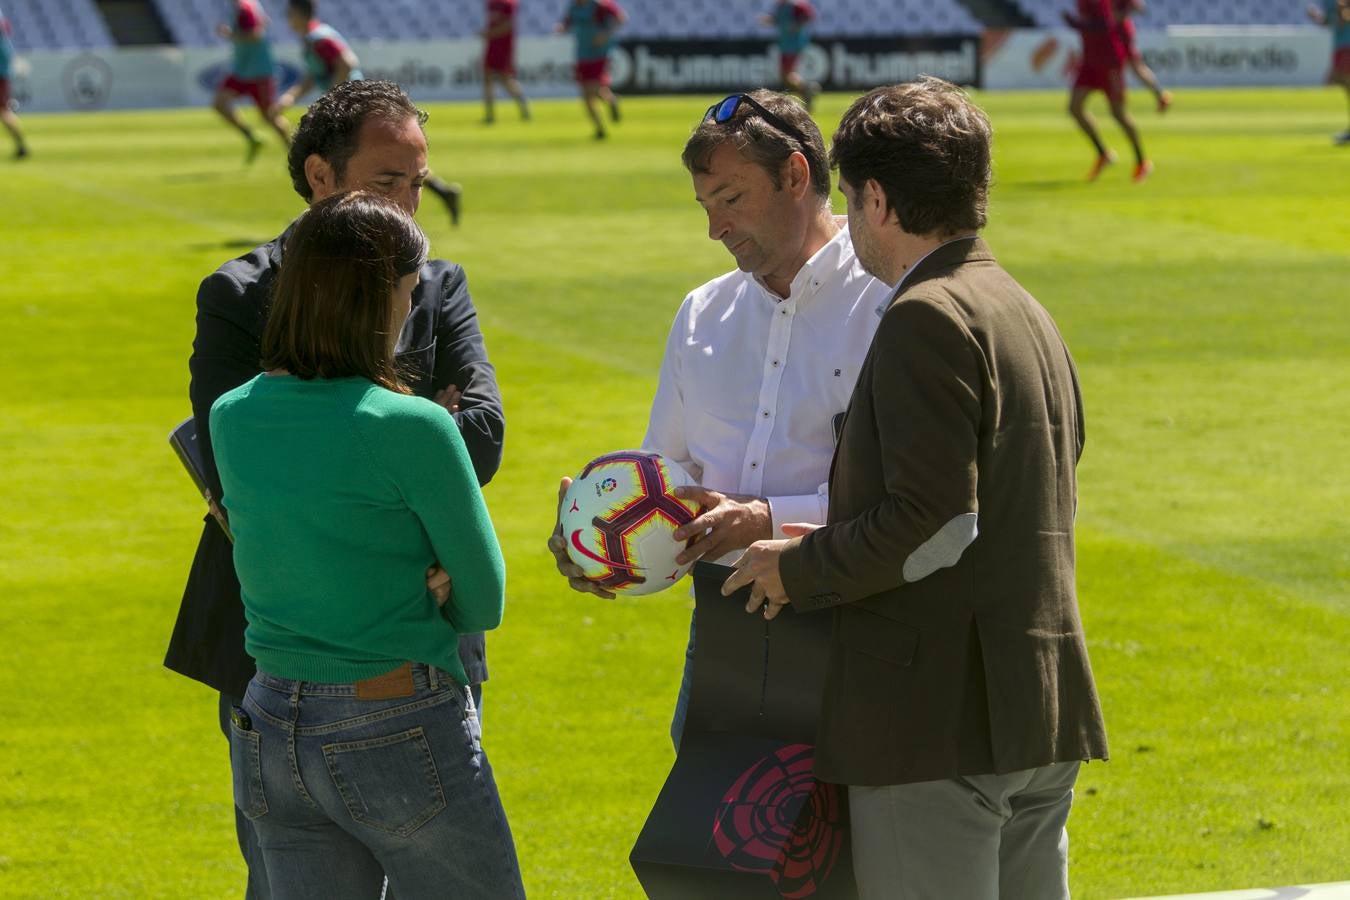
754,465
775,363
766,413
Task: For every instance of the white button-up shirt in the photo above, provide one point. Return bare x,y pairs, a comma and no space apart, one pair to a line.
752,383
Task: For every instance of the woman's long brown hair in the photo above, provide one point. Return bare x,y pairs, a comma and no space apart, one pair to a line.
333,305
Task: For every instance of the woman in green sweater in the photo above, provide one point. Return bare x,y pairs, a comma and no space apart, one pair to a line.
356,751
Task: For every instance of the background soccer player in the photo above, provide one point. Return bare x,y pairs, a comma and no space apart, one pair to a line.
791,18
1125,9
7,116
1102,69
499,57
1335,14
593,23
251,74
328,58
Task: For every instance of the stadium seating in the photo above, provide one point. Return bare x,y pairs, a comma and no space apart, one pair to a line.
56,25
59,24
192,22
1162,13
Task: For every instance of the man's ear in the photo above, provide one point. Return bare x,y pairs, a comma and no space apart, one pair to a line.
874,204
798,175
320,175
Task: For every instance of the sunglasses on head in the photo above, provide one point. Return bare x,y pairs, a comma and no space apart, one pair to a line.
723,111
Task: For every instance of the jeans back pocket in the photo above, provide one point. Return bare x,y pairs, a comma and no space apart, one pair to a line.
246,771
389,783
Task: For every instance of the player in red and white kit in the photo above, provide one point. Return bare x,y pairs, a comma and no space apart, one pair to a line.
499,57
1103,69
1125,10
7,116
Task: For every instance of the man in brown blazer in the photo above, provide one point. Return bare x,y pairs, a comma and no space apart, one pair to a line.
959,702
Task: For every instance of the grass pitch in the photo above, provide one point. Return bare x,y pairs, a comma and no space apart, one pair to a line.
1205,308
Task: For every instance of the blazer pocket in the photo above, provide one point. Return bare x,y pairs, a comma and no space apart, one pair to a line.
886,639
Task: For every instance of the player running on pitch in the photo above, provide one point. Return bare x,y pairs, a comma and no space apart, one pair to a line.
1335,14
251,74
499,58
1103,69
792,19
592,24
327,56
7,116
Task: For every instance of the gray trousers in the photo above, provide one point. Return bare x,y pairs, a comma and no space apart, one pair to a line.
978,837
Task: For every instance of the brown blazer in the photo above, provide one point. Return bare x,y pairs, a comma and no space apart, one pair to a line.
948,555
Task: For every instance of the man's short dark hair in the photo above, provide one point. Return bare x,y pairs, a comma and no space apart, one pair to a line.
306,8
761,142
928,146
331,125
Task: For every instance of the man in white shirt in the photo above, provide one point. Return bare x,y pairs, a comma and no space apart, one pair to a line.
760,361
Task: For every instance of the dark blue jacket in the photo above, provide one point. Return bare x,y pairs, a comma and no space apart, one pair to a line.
441,344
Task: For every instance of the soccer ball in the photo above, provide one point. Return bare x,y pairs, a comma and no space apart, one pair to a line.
617,518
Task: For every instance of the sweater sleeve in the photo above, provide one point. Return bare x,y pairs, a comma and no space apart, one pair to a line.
435,476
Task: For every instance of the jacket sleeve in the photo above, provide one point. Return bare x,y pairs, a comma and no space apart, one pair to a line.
926,388
225,354
461,359
437,481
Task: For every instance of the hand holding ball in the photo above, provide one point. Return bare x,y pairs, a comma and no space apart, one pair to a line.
617,519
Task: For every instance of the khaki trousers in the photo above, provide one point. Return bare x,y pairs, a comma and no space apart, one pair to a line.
978,837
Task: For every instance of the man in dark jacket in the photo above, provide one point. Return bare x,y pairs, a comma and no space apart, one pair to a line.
958,699
361,134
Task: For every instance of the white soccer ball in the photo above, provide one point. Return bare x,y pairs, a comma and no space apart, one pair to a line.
617,519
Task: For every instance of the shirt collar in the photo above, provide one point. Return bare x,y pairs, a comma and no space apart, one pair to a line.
829,259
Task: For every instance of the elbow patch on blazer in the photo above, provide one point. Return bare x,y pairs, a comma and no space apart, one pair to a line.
942,549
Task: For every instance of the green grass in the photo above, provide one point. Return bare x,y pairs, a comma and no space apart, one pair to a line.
1206,310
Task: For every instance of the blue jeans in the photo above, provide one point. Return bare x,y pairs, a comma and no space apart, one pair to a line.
682,701
342,791
256,889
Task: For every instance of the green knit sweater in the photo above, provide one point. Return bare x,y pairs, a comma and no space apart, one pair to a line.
340,495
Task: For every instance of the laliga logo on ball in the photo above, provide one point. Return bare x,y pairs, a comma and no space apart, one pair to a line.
617,518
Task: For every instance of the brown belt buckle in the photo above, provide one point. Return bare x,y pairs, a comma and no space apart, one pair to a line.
396,683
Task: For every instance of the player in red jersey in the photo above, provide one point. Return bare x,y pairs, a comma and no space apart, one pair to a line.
791,19
592,24
1125,9
499,57
7,116
1103,69
1335,14
251,74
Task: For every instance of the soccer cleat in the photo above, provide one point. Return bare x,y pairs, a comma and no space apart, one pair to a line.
21,152
1342,139
254,148
1106,159
614,110
1142,171
1164,101
600,134
451,195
